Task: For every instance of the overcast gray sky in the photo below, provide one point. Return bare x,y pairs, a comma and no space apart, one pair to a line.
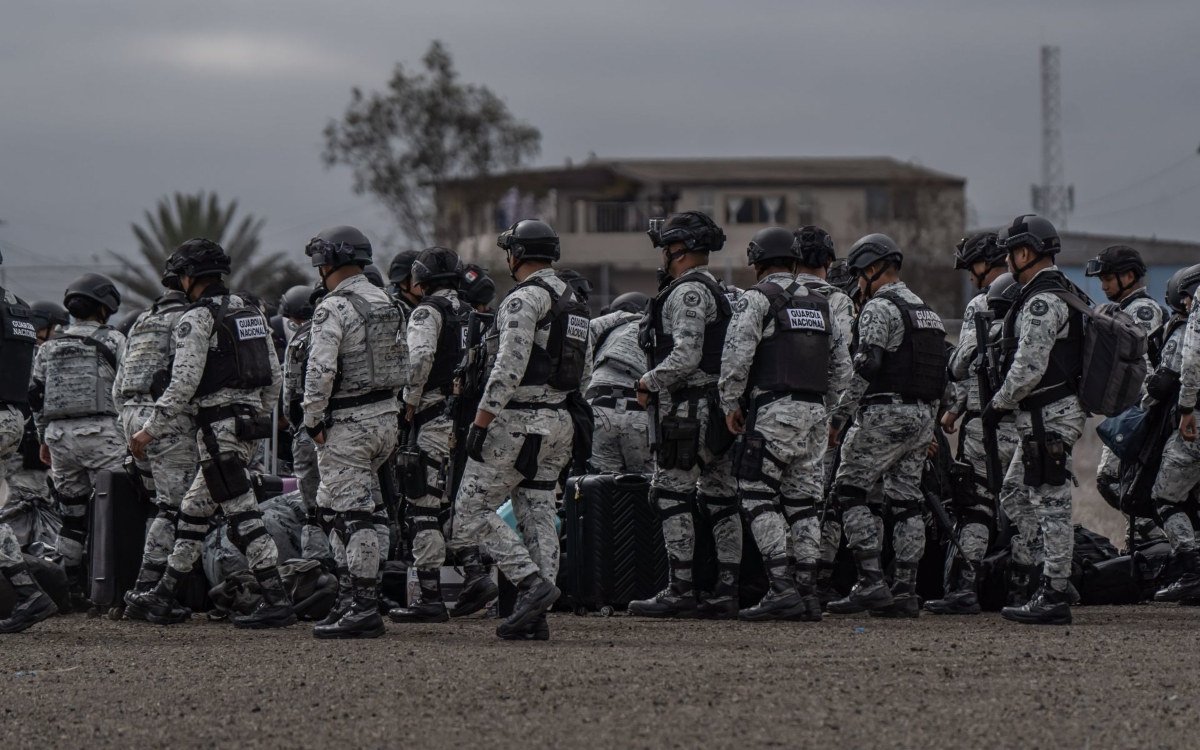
106,106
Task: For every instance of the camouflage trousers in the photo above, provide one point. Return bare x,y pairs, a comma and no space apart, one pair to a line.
244,521
314,541
783,504
12,425
485,485
78,449
1042,514
429,539
713,489
888,442
355,447
1180,472
170,466
975,521
619,442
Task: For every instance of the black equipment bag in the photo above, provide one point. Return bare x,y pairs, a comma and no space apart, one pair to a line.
266,486
117,534
50,576
1112,581
614,543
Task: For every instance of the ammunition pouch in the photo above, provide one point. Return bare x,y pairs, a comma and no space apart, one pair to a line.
226,477
411,461
717,436
251,427
748,452
679,443
964,485
1044,455
527,458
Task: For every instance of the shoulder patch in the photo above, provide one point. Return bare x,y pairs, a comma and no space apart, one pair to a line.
185,329
741,305
1145,313
420,314
1038,307
320,316
969,315
514,305
691,299
865,318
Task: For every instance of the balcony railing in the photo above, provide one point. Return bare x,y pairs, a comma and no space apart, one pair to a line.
623,216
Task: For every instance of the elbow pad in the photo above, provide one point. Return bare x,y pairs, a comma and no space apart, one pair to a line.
868,363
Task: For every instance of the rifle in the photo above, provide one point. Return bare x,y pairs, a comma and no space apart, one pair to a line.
469,379
831,476
646,341
985,373
934,501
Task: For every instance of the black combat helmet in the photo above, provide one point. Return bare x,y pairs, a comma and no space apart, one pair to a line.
339,246
772,243
96,287
977,247
170,280
1031,231
633,302
477,288
815,246
373,274
1174,296
530,239
437,266
401,268
1117,259
295,303
199,257
1189,279
1001,294
871,249
47,313
581,286
695,229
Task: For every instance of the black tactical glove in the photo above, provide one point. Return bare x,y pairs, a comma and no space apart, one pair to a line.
315,430
475,437
991,416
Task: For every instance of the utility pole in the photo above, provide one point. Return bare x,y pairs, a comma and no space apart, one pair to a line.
1052,199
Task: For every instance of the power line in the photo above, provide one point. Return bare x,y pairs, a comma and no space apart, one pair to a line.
1170,167
1163,198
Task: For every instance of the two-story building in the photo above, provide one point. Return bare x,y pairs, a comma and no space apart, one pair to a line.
601,209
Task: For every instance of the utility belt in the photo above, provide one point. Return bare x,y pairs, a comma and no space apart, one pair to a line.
535,405
764,399
972,415
350,402
225,474
608,396
1035,402
1045,455
891,398
248,425
679,436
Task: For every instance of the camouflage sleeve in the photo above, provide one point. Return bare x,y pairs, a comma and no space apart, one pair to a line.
39,381
325,341
1149,316
685,315
958,404
585,380
1189,380
741,342
270,394
841,367
964,353
424,328
875,324
601,325
517,323
1042,318
191,335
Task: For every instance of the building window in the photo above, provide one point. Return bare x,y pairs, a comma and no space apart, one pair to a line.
891,204
878,205
806,209
755,209
904,204
706,202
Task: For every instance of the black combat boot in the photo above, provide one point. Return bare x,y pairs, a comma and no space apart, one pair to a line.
808,593
361,620
478,587
158,605
962,600
33,605
1187,586
538,630
825,591
78,586
535,595
905,602
781,601
345,597
1049,606
429,606
678,599
1021,578
723,603
870,591
275,609
148,577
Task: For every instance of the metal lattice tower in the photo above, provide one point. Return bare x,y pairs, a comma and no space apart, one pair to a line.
1052,198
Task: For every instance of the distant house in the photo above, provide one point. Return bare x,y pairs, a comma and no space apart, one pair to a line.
601,208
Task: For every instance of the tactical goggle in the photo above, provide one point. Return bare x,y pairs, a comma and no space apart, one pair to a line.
325,253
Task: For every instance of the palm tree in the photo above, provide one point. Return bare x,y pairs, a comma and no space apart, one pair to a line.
183,217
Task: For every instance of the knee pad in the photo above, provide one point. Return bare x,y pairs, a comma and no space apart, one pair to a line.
197,535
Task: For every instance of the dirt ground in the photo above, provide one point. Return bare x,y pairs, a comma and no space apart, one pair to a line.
1119,677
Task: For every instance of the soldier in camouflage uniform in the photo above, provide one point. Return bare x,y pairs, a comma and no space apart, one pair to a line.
619,441
169,467
400,277
298,303
1122,278
687,326
982,257
521,437
1180,470
898,382
477,289
1041,344
225,370
435,348
357,363
785,353
16,357
76,415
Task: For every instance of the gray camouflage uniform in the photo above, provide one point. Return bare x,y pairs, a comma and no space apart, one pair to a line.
314,541
1042,514
12,426
619,442
687,311
888,441
195,337
1180,470
785,502
486,484
171,460
975,519
358,439
78,422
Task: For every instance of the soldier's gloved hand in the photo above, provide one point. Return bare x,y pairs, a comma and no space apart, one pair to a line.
991,416
475,437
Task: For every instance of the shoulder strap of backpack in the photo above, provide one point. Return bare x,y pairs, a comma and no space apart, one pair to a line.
1072,301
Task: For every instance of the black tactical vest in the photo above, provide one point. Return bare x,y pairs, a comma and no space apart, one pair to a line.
450,345
241,359
917,369
714,332
1066,356
795,358
560,364
18,342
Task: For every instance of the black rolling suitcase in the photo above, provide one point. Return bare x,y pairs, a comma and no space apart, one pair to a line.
614,543
116,537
